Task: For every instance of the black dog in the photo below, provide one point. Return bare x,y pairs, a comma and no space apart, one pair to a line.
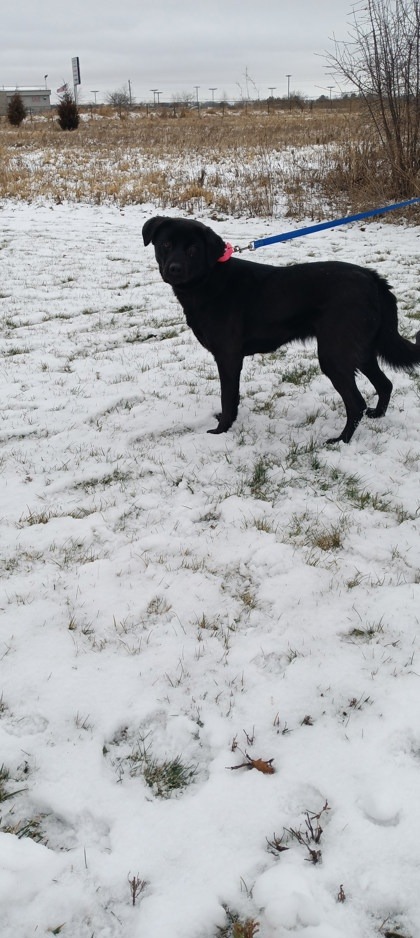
237,308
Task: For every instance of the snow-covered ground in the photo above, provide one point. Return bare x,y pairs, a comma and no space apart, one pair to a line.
172,599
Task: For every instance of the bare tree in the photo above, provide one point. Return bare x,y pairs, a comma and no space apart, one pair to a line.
119,99
249,84
381,59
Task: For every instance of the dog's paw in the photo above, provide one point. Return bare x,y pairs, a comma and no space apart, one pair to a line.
218,429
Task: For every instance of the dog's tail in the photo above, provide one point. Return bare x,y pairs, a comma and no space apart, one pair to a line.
399,352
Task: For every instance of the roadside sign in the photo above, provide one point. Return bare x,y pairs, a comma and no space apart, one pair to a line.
76,70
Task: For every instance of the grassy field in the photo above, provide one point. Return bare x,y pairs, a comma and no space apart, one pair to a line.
179,611
248,162
209,644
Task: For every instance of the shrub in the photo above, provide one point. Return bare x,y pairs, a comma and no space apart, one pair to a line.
68,114
16,111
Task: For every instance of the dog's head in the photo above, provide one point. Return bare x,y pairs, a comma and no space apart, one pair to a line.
185,250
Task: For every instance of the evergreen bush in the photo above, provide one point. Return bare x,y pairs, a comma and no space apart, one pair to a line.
16,110
68,114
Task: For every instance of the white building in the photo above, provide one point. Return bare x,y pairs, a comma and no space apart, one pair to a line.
35,99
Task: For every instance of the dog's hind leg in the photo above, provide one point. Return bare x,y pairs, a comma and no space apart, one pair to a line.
382,385
344,382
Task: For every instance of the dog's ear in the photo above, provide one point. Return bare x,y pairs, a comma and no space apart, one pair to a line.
150,228
215,245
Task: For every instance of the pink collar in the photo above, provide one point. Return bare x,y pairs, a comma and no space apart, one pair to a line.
226,255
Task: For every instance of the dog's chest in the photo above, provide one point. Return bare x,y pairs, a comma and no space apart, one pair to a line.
201,327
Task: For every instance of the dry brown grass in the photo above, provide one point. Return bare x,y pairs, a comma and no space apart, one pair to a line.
252,162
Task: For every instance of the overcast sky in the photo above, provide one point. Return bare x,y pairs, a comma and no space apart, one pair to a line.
172,45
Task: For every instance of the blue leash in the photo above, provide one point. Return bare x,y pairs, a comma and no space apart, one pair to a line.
300,232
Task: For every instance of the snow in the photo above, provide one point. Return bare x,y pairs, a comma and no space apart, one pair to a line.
170,594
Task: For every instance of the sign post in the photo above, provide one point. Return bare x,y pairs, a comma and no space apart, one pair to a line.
76,75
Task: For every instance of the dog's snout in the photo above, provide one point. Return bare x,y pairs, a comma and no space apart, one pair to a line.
174,268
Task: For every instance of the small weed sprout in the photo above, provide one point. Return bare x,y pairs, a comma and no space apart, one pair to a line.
137,886
310,836
236,927
158,606
329,539
276,845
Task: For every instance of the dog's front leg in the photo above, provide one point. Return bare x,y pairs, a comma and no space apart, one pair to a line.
229,369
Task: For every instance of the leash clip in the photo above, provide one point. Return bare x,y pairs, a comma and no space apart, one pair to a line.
248,247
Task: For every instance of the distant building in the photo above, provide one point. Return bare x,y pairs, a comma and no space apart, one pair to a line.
35,99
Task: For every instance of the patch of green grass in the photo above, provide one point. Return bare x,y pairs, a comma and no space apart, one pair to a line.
167,777
259,479
307,531
28,827
4,777
297,452
73,552
353,488
15,350
300,375
116,476
5,794
366,633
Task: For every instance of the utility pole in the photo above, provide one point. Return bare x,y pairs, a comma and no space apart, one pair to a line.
273,88
196,94
288,88
129,90
95,93
212,94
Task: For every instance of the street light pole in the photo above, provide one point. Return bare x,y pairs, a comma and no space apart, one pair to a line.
288,88
271,89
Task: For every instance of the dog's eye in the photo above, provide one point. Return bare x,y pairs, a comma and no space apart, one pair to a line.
192,250
166,245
